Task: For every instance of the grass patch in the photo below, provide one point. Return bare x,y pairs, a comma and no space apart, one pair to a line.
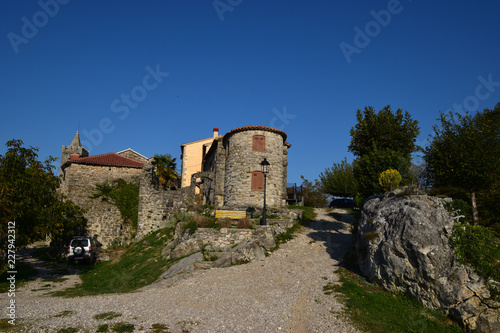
123,327
377,311
102,328
107,315
23,275
159,328
5,326
139,266
309,213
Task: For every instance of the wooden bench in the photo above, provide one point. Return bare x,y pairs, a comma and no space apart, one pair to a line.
232,214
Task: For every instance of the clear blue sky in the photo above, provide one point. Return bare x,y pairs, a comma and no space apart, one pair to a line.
302,66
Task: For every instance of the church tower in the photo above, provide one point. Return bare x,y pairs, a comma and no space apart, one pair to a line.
74,148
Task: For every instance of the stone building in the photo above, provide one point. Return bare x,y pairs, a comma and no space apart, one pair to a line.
80,173
231,175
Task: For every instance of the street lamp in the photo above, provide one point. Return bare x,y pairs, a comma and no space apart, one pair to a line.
265,170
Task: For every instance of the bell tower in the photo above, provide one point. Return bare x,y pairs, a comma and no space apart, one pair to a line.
74,148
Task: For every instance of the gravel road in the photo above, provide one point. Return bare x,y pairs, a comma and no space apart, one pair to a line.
283,293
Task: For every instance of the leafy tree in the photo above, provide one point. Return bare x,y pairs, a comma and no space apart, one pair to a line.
464,153
368,167
384,130
381,141
28,197
313,194
339,180
165,168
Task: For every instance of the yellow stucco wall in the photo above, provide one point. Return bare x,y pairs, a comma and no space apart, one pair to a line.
192,156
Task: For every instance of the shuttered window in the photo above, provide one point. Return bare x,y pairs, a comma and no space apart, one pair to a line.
257,181
259,143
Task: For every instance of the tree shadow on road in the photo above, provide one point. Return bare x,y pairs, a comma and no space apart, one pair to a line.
335,235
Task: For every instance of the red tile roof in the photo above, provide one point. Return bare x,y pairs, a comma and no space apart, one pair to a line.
109,159
254,128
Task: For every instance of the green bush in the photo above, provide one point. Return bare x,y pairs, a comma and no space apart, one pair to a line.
389,179
479,247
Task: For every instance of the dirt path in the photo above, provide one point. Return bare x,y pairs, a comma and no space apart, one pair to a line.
283,293
50,277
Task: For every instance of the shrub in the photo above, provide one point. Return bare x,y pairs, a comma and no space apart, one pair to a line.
479,247
244,223
201,221
225,222
389,179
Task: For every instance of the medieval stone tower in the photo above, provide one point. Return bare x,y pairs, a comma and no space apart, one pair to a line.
74,148
246,147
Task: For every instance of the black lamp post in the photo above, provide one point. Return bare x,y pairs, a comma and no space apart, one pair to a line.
265,169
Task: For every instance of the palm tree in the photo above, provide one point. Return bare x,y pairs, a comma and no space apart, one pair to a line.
165,167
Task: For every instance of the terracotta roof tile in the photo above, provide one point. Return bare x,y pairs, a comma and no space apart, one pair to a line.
253,128
109,159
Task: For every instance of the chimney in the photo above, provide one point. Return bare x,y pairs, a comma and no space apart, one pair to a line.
216,132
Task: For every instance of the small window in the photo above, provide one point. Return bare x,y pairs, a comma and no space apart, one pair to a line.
257,181
259,143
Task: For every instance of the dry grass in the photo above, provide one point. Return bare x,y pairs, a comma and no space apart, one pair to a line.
244,223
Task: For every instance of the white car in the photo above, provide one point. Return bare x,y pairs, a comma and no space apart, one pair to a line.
83,249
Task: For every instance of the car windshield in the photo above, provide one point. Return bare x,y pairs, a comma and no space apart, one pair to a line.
79,242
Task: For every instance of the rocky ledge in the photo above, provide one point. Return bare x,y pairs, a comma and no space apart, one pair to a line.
208,247
403,244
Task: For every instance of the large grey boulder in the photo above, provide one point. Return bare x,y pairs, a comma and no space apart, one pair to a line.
403,244
247,251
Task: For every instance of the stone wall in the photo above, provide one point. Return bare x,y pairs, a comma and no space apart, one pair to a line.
156,205
213,240
133,155
241,161
78,183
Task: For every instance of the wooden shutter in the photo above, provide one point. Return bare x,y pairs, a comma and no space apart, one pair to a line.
257,181
259,143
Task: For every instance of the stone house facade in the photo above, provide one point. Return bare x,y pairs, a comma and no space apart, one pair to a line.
231,175
80,173
224,171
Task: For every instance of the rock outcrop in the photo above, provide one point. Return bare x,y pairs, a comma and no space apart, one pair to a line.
211,248
403,244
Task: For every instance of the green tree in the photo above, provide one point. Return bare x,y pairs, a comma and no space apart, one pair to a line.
165,168
313,194
464,153
339,180
381,141
384,130
28,197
